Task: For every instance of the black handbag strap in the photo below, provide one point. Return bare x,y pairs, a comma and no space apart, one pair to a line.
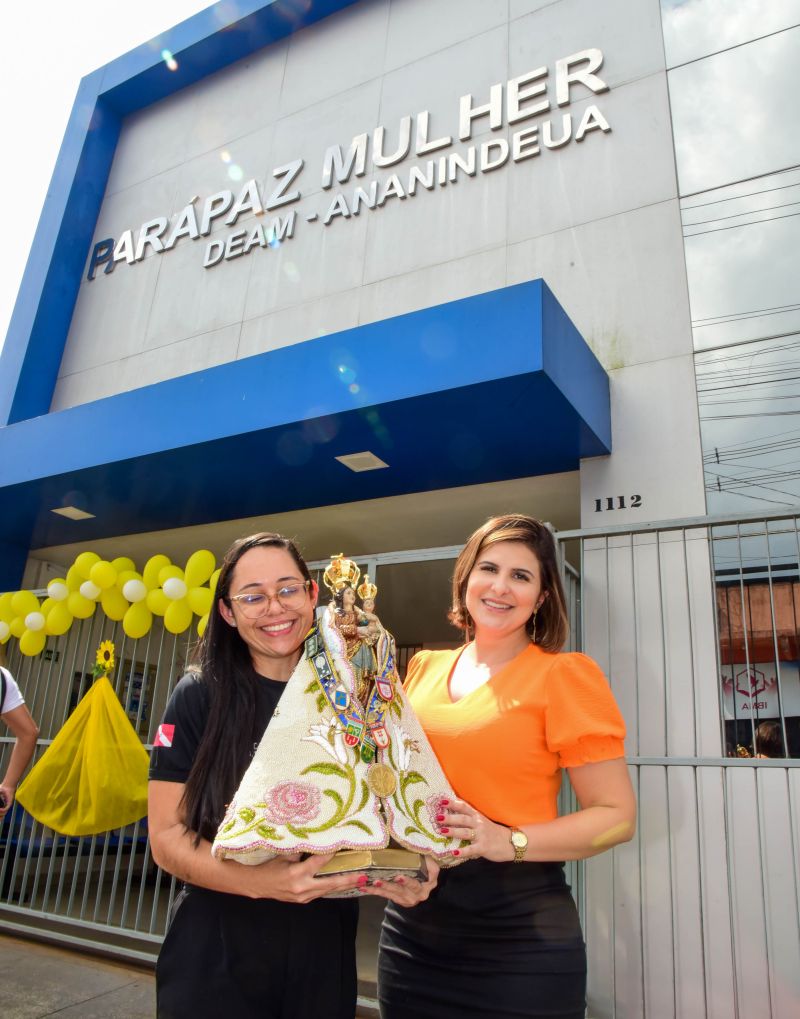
2,688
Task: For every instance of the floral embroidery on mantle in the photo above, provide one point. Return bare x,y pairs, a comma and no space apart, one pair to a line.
306,790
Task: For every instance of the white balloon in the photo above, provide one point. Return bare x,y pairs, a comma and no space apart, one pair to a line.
134,590
90,590
34,621
58,590
175,588
5,629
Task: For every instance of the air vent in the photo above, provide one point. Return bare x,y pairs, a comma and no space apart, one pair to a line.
73,513
359,462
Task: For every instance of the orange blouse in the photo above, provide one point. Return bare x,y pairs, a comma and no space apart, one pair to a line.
503,745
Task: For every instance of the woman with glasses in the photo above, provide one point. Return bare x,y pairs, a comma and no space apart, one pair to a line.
254,941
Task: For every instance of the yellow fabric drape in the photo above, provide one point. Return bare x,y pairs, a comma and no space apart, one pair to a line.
93,777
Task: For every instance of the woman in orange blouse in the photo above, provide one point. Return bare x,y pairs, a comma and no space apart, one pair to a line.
505,713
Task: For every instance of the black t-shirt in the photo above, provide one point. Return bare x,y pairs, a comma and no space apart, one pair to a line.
178,737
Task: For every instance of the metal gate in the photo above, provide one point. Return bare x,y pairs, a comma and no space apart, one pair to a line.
102,891
697,916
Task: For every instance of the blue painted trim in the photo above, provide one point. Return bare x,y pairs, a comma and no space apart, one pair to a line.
435,350
202,44
572,366
488,388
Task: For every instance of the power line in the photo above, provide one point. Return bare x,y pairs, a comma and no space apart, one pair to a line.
737,215
762,443
748,372
743,316
755,498
753,311
739,226
764,438
730,345
742,180
757,382
733,46
751,414
719,359
735,198
749,399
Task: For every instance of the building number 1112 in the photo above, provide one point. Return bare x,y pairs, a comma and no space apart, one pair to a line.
615,502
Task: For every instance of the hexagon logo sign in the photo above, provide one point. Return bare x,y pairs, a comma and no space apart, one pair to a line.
751,682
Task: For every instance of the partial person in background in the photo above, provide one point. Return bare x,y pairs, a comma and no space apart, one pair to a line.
16,716
506,713
769,740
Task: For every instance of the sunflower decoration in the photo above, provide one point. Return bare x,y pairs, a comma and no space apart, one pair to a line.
104,661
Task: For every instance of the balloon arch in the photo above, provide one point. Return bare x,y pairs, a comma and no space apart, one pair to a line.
122,594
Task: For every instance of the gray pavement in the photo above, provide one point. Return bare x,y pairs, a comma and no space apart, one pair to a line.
41,980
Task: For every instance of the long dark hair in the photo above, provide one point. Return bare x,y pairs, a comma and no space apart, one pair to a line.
338,598
552,622
224,666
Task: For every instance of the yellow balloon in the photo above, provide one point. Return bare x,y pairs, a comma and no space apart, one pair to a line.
151,568
47,605
199,567
85,562
59,619
122,564
114,603
24,602
74,579
166,572
103,574
17,625
202,624
212,582
79,606
7,612
157,601
199,599
137,620
32,642
178,616
123,576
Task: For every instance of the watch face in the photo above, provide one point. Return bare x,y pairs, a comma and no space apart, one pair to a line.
519,840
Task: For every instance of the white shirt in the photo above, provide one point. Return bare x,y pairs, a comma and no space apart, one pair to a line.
13,697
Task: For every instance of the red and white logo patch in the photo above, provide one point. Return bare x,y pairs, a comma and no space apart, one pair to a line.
165,735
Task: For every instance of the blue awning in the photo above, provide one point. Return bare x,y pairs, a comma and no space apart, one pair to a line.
488,388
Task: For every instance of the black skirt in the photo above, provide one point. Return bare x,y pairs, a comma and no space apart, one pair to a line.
226,955
494,941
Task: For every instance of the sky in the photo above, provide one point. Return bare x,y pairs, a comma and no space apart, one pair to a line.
45,50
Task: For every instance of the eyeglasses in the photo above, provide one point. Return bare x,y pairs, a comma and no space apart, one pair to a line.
252,604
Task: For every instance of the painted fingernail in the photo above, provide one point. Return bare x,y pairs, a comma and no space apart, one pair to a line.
440,817
400,880
444,803
378,884
363,880
456,852
444,831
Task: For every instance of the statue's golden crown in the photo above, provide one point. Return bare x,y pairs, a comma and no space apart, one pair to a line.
341,573
366,589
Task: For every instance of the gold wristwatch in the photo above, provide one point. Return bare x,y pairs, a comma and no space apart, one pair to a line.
519,840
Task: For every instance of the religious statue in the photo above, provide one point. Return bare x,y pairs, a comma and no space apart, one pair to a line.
369,626
359,631
344,766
